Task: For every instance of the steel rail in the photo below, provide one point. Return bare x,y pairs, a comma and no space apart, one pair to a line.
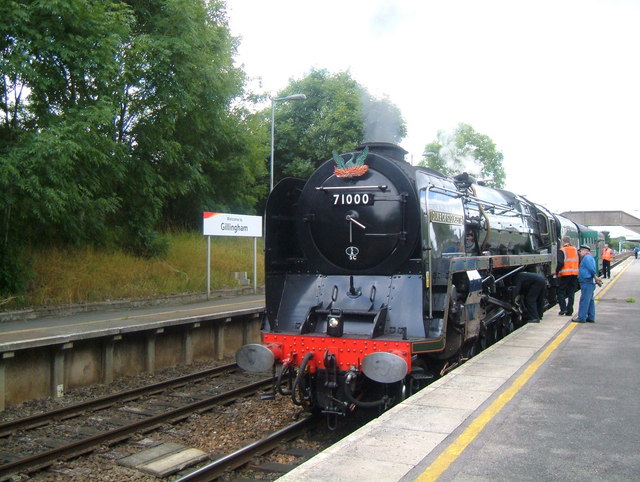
41,419
246,454
619,258
86,445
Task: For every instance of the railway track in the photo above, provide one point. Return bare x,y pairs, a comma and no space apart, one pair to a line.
619,258
247,454
143,419
38,420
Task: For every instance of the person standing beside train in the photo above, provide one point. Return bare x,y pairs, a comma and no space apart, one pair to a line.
567,273
607,254
588,278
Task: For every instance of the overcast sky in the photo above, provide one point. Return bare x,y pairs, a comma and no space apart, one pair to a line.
554,83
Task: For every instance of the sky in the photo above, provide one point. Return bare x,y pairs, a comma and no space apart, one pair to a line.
554,83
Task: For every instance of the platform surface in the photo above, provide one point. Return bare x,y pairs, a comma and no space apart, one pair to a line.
552,401
48,330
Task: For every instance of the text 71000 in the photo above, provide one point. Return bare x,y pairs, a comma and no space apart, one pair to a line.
357,199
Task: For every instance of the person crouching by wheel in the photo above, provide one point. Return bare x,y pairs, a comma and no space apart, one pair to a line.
588,278
531,286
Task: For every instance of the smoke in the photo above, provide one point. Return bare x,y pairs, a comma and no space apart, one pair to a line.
459,161
456,152
382,120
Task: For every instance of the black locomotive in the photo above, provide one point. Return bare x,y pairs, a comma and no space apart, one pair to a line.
381,276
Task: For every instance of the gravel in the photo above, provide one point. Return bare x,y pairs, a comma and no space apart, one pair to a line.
217,432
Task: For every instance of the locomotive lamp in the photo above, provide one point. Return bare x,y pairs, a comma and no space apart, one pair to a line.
273,115
335,325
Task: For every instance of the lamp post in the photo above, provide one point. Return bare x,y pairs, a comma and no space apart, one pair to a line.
273,114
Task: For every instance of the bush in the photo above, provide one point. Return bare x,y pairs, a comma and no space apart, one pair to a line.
148,243
15,270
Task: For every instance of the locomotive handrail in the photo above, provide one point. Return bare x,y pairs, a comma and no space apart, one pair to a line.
444,189
386,235
519,268
474,198
382,187
428,248
492,205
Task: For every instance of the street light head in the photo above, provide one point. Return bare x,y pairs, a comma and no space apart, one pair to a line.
290,97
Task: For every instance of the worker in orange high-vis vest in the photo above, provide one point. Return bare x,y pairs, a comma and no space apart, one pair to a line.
607,254
567,273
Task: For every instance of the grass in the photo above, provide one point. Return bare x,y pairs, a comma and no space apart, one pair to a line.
84,275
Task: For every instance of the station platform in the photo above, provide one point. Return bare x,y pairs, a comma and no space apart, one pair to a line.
552,401
49,355
48,330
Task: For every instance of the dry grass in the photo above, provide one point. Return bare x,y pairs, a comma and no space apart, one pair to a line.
83,275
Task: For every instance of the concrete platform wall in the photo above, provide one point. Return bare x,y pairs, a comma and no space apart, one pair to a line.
26,375
129,355
48,371
82,365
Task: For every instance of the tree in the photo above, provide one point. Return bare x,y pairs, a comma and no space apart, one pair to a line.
58,162
466,150
194,149
337,115
118,118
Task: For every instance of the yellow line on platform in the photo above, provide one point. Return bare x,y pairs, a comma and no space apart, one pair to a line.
453,451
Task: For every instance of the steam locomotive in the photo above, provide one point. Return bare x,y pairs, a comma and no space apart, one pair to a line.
381,276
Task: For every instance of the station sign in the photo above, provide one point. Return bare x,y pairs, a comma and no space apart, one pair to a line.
223,224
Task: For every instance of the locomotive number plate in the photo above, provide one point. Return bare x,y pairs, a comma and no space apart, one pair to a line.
349,199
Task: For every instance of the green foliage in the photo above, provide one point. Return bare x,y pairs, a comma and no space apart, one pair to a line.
15,271
198,151
149,244
60,180
466,150
334,117
435,158
70,275
58,164
620,242
118,118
